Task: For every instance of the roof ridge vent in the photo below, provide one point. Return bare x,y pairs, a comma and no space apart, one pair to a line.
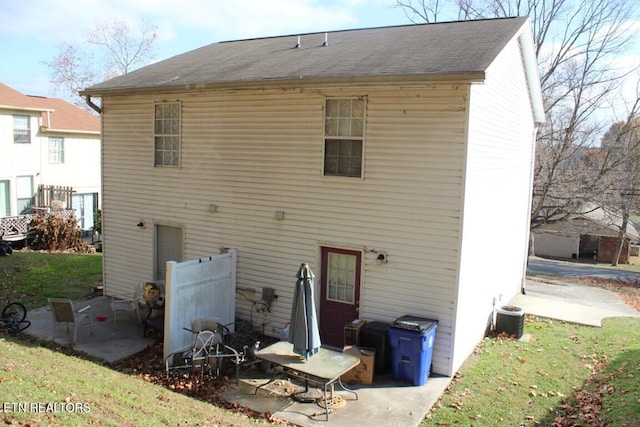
326,40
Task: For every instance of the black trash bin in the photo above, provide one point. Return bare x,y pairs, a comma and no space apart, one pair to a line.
375,335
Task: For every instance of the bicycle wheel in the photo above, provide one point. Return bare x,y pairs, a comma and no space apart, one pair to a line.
15,312
20,326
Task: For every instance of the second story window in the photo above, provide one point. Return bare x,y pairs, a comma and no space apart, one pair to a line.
56,150
344,137
21,129
166,138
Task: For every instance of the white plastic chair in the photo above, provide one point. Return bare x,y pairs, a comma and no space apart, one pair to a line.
63,310
130,303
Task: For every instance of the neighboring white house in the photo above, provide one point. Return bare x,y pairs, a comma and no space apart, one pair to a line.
396,161
47,142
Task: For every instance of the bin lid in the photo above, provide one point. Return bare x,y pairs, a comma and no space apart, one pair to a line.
414,323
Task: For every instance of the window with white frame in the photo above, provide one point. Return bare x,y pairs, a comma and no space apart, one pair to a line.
167,134
344,137
341,280
56,150
21,129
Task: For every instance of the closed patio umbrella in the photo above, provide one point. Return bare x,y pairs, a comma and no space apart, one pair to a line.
303,328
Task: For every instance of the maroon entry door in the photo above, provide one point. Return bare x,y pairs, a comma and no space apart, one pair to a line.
339,293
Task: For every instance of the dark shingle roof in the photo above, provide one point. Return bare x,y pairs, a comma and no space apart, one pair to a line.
465,47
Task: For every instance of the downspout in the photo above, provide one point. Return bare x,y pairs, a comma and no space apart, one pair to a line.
534,137
91,104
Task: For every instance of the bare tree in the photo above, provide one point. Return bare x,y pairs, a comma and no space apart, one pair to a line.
621,144
576,43
422,11
110,49
72,70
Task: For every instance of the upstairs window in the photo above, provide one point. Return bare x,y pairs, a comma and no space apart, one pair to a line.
56,150
344,137
167,134
21,129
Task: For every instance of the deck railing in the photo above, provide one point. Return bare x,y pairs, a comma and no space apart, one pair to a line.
15,228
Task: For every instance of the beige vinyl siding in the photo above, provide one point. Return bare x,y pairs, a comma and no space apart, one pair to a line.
253,153
497,190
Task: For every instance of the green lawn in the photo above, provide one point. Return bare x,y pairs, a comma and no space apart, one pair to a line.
32,277
64,390
563,371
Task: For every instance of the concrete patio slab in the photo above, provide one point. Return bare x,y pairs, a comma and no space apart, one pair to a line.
107,343
386,402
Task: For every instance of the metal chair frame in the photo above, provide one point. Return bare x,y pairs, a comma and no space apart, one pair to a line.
206,355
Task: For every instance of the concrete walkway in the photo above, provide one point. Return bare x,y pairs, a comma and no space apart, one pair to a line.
571,302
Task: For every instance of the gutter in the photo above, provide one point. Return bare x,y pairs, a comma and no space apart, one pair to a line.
45,129
472,77
17,107
525,39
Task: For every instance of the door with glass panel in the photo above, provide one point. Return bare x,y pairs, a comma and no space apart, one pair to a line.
339,293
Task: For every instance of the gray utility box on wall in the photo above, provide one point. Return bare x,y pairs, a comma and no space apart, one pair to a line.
510,320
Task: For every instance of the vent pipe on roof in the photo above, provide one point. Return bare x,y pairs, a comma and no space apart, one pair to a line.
326,40
298,44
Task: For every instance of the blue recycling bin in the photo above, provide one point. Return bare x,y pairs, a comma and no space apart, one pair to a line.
411,339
